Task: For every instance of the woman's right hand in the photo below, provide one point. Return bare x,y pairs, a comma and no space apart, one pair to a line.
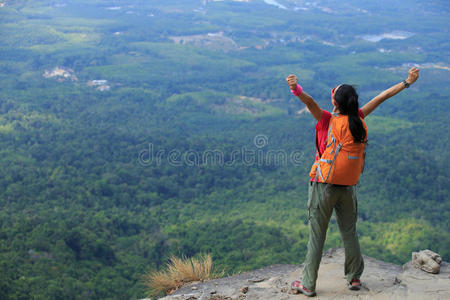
292,81
413,74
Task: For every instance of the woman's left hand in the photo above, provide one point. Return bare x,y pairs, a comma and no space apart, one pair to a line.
292,81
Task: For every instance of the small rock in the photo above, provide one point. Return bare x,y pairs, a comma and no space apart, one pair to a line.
293,292
195,288
397,281
284,289
244,290
219,297
213,292
427,261
257,280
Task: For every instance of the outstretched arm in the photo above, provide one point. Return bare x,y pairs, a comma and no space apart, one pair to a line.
312,105
370,106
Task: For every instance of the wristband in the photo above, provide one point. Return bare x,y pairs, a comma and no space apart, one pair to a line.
406,84
298,91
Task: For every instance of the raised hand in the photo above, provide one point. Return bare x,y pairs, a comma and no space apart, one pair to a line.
413,74
292,81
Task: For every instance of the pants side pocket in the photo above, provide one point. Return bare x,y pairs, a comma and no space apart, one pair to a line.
312,187
355,200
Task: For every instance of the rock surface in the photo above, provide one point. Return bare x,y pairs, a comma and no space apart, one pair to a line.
427,261
380,280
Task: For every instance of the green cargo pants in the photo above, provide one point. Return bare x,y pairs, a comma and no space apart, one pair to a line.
322,199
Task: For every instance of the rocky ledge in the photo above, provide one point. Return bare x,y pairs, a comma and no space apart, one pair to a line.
380,280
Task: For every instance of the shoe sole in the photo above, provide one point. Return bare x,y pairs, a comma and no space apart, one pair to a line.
300,291
354,287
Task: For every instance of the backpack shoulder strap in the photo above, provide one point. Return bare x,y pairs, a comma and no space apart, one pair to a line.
331,140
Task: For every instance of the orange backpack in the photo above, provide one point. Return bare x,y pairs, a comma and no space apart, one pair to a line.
342,162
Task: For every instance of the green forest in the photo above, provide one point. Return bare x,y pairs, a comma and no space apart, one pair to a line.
134,130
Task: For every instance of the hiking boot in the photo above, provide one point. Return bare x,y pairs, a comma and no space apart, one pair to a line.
354,284
297,287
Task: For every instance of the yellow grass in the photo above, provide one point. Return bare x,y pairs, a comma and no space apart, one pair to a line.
178,272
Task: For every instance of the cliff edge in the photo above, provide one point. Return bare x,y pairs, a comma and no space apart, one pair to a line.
380,280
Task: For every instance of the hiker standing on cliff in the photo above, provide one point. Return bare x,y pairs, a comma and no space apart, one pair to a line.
340,140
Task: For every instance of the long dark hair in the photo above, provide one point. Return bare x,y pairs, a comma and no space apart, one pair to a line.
347,100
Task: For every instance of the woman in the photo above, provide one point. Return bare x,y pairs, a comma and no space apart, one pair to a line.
340,142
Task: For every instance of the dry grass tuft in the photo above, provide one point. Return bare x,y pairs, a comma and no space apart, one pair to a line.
180,271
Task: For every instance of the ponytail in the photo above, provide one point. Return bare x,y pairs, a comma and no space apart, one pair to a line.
347,100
